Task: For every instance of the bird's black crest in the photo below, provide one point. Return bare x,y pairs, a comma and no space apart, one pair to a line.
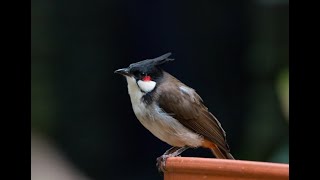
148,63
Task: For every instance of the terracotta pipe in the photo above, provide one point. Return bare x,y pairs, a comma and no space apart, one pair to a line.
187,168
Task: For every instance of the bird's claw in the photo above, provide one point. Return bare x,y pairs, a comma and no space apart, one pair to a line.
161,162
172,152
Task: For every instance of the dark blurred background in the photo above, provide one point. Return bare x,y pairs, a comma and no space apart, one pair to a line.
234,53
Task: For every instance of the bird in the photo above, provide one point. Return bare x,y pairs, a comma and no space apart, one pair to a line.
172,111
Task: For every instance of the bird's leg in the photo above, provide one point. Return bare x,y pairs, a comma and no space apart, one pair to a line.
172,152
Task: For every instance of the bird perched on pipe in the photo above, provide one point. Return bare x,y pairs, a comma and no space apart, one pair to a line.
172,111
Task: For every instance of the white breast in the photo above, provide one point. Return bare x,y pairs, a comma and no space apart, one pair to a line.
160,123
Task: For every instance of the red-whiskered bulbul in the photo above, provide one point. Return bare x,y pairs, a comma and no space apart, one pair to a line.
172,111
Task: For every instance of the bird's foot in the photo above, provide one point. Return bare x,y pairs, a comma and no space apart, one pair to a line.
172,152
161,162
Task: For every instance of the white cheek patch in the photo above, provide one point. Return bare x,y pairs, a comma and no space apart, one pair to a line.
146,86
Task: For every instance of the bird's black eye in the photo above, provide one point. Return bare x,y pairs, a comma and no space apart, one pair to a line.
136,73
143,74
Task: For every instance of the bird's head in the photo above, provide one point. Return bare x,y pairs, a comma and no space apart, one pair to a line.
146,74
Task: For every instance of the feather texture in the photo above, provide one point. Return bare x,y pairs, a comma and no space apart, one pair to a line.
189,110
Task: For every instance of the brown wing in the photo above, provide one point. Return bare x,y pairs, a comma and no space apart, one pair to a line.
189,110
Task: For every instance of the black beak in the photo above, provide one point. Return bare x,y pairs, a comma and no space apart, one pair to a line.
123,71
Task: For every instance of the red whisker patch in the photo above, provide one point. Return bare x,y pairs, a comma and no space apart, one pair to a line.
146,78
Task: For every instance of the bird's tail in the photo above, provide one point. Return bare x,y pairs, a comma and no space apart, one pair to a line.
220,154
217,152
